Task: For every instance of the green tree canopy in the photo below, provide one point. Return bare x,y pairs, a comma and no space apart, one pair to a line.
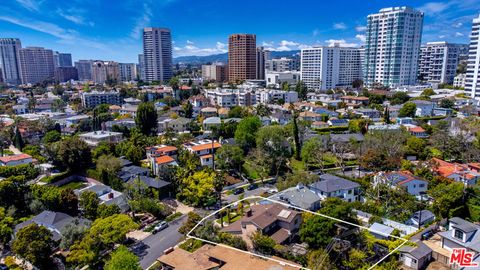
35,244
146,119
246,132
408,110
122,259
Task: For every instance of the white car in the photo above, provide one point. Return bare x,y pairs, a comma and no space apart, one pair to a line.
160,226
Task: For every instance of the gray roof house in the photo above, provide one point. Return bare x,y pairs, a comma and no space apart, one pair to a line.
53,221
299,196
461,234
381,231
425,216
334,186
415,257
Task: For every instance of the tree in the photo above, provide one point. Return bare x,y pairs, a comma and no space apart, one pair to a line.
246,132
273,144
408,110
236,112
229,157
107,168
386,116
356,259
428,92
382,150
416,146
357,83
52,136
146,119
263,243
89,204
319,260
104,210
192,220
358,125
72,154
35,244
18,140
296,136
399,98
72,233
447,103
295,178
198,189
302,90
263,110
313,152
187,109
122,259
448,200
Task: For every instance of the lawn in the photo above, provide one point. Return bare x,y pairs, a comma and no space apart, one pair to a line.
233,217
297,165
250,171
74,185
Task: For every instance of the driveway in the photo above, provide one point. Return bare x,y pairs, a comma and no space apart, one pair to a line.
256,192
152,247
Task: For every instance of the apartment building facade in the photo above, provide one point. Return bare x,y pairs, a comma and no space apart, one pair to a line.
439,60
472,80
242,57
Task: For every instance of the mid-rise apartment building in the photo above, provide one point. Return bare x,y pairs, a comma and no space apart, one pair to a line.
215,72
439,60
84,69
141,67
157,54
128,72
262,56
472,80
242,57
10,70
95,98
276,78
105,71
283,64
324,68
392,47
36,64
65,74
267,96
62,59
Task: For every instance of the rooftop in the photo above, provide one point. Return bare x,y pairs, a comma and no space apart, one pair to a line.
331,183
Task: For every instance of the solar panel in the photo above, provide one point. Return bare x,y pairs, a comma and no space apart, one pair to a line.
284,214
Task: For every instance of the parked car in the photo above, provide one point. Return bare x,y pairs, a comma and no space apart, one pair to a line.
238,191
160,227
252,186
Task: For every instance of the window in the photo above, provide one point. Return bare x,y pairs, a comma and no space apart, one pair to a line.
458,234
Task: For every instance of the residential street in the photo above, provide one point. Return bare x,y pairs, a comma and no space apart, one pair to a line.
152,247
256,192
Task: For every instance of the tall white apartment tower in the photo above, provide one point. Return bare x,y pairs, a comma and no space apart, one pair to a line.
157,54
472,80
393,46
10,70
439,60
324,68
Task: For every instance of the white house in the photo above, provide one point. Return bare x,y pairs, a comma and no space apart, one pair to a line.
334,186
402,179
204,149
461,234
16,160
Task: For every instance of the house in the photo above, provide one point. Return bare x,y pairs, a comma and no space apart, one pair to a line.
354,101
415,257
464,173
274,220
424,108
219,257
95,137
209,111
310,116
15,160
421,218
417,131
211,122
106,195
334,122
323,111
461,234
334,186
299,196
404,120
163,187
223,112
381,231
178,125
368,113
55,222
130,172
414,185
204,149
319,124
126,122
442,112
161,156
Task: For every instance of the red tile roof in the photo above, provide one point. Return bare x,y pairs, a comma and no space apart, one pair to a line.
163,159
7,159
205,146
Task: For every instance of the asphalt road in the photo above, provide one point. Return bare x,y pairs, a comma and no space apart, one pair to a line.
152,247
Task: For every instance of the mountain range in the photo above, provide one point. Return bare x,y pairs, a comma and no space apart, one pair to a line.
223,57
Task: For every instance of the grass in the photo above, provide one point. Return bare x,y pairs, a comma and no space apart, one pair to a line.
191,245
233,217
250,171
297,165
74,185
173,216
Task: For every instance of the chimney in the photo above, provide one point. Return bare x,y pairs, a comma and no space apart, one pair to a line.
110,195
249,212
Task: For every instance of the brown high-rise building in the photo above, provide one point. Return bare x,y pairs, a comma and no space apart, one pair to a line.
242,57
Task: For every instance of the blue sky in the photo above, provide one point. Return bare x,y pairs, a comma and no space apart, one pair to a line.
111,29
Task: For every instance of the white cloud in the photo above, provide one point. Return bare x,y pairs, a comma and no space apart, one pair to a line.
441,36
340,42
315,32
31,5
141,22
362,38
339,26
361,28
191,49
457,25
268,44
433,8
74,15
458,34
